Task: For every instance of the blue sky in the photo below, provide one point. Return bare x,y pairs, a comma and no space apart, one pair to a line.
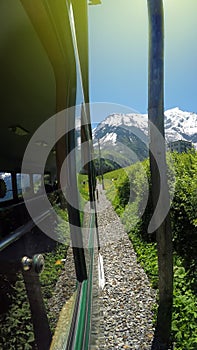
118,46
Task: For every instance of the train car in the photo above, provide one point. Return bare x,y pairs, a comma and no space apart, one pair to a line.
44,62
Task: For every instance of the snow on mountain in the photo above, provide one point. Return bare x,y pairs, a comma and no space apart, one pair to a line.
126,120
110,137
124,137
181,125
178,125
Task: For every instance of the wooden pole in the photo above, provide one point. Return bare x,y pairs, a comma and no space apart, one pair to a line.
159,172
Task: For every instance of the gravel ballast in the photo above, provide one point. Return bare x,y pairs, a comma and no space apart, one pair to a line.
127,299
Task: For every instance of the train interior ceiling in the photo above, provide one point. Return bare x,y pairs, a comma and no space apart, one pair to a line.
37,75
38,81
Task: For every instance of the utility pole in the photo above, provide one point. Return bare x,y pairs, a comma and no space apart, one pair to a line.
159,172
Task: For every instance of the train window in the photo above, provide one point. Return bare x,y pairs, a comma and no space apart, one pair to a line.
23,182
7,177
30,184
38,183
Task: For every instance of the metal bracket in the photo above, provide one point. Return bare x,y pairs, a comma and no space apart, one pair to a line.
36,263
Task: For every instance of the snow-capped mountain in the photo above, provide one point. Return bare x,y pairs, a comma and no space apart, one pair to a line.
124,137
181,125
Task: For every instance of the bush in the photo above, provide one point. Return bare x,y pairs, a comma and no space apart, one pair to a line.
184,225
16,326
184,210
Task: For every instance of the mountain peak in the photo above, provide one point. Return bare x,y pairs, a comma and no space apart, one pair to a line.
124,137
178,124
174,109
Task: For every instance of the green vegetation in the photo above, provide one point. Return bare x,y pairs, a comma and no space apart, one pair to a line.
16,326
50,275
184,213
62,230
115,183
105,165
127,194
83,188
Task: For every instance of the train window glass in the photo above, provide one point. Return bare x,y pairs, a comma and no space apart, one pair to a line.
7,177
38,183
23,182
